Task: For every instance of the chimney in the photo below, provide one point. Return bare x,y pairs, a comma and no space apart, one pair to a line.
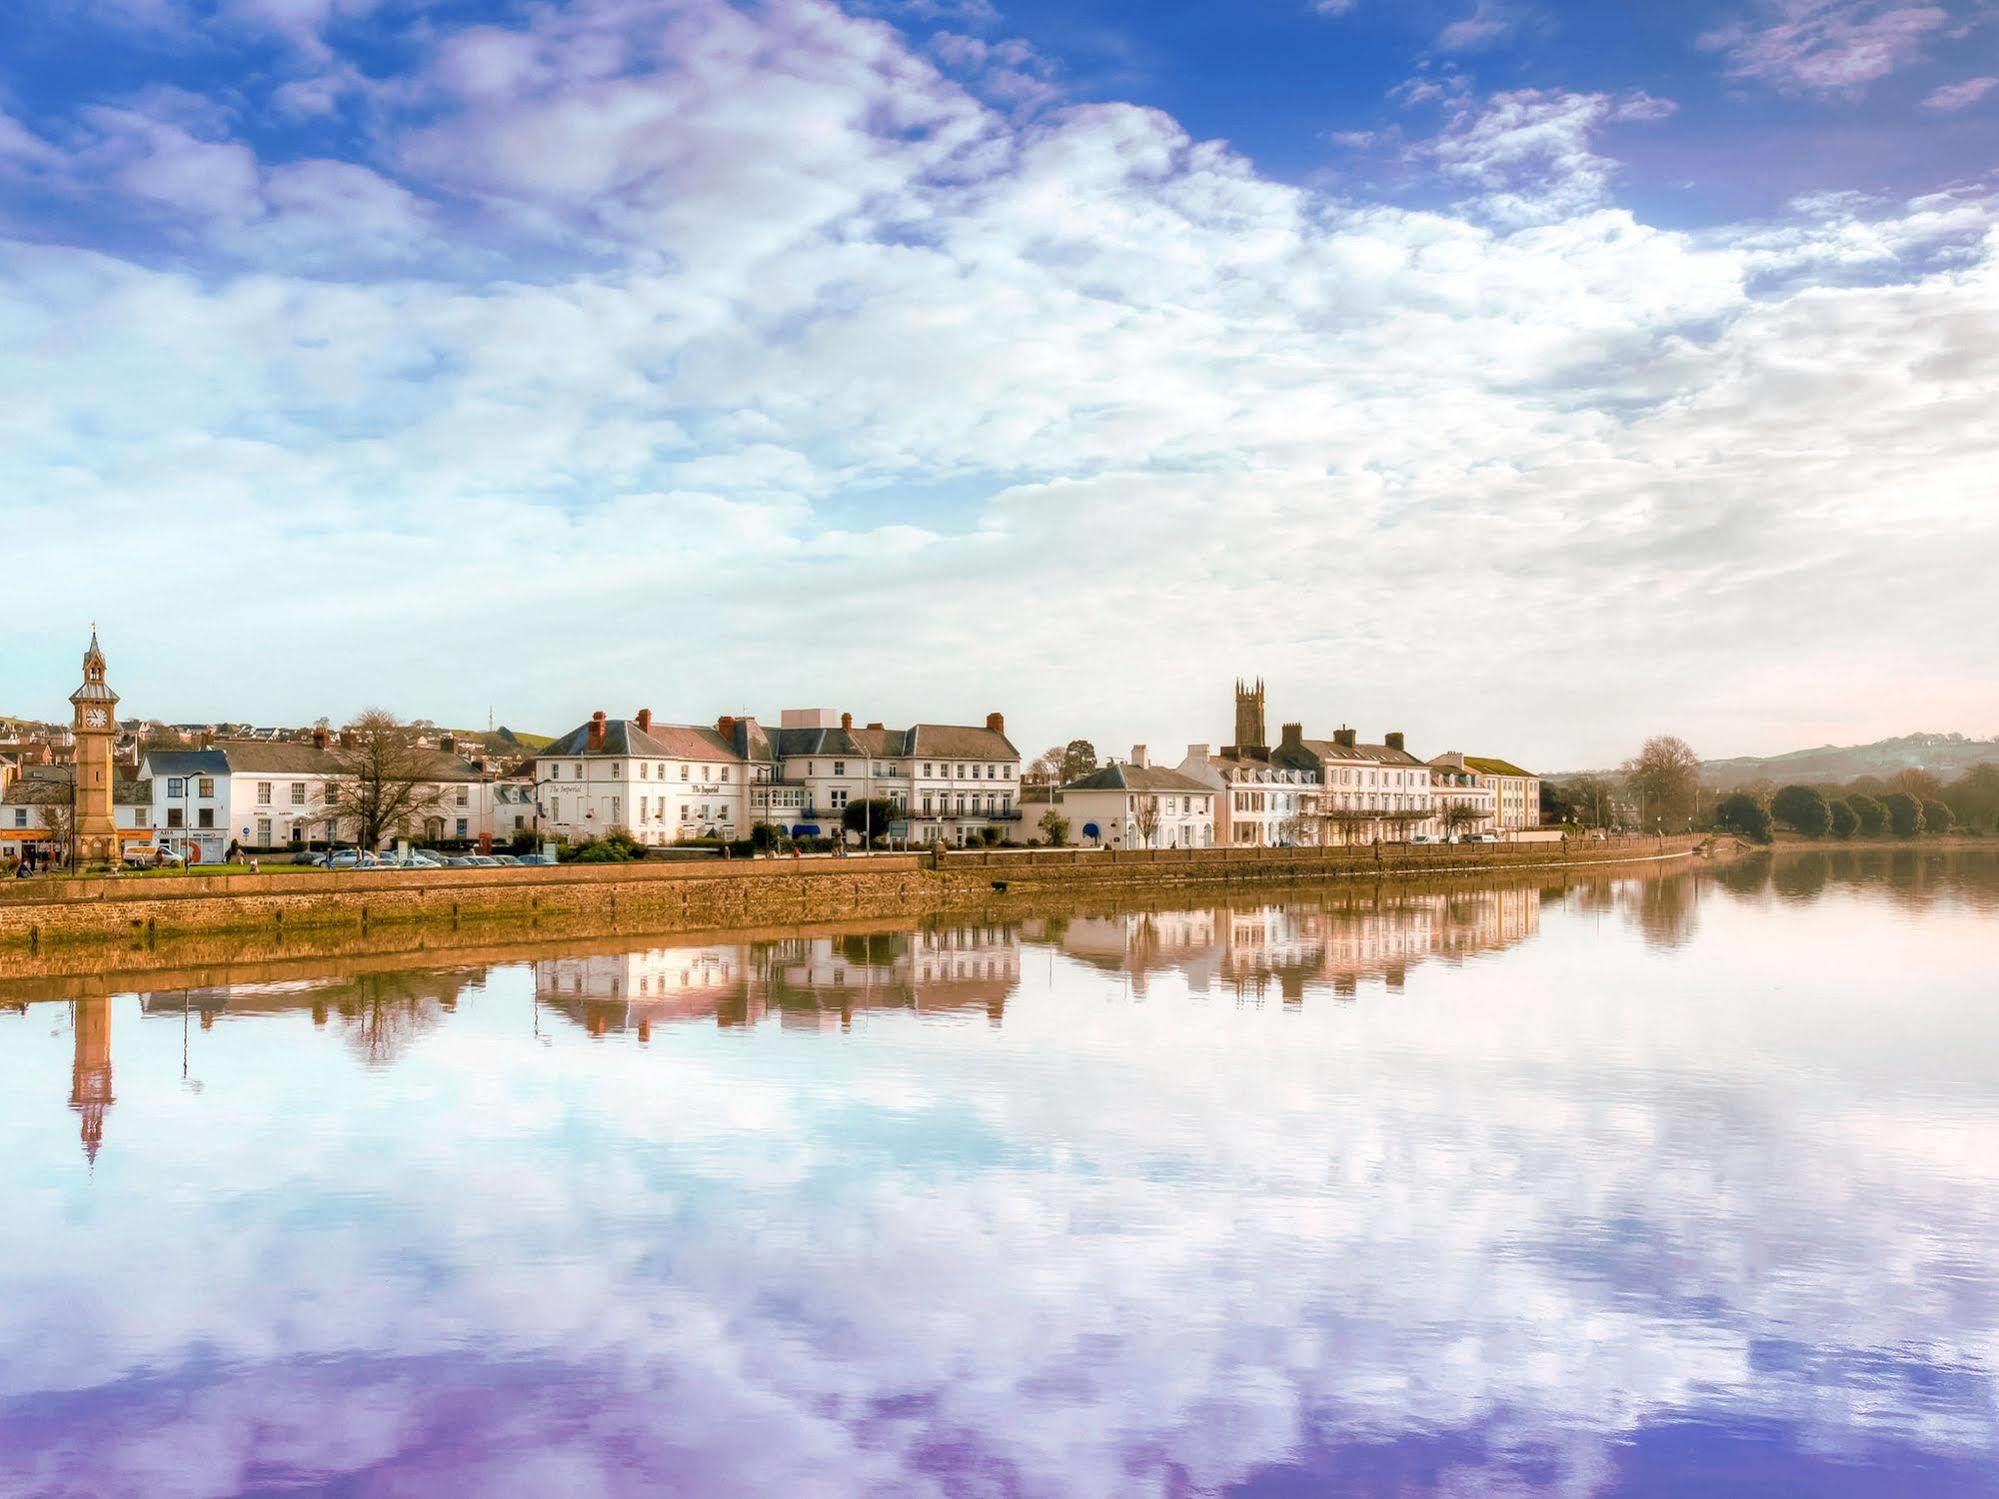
1393,741
645,720
200,742
847,721
1346,737
319,739
346,739
996,724
448,743
1138,756
726,727
597,731
875,727
1294,736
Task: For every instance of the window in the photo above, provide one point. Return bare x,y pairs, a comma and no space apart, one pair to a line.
176,786
263,793
725,772
463,827
616,807
207,787
644,769
839,767
464,796
298,793
205,817
685,770
332,793
20,817
927,770
686,811
173,817
144,818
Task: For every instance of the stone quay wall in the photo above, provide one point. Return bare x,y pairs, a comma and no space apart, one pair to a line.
679,896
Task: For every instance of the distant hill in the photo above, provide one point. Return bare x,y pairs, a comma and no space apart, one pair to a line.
1946,756
528,743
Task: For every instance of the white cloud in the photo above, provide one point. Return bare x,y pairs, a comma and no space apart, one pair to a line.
633,293
1956,96
1825,46
1490,21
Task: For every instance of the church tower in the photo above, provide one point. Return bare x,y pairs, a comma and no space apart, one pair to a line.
1249,730
96,727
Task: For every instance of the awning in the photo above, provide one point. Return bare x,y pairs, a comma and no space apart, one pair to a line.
1090,830
805,830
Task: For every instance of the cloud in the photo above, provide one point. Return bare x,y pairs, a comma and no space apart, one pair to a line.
1825,46
623,295
1333,7
1489,22
1955,96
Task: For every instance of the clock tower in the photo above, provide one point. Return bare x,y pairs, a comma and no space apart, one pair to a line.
96,733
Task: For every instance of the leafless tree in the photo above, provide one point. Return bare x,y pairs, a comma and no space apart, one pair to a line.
1665,777
1046,768
1459,817
386,784
1145,819
1349,822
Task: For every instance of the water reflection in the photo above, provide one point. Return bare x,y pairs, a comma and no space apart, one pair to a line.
1646,1185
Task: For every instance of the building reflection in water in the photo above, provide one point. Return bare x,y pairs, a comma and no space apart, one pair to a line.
807,982
1250,949
90,1074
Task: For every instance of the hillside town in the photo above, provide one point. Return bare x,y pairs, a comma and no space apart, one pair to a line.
109,790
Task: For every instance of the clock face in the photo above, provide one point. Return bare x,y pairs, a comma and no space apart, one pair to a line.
94,717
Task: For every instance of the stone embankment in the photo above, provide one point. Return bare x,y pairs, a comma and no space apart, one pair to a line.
677,896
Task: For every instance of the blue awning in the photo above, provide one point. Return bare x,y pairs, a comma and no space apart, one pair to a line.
1090,830
805,830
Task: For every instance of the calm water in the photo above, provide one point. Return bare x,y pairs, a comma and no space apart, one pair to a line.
1660,1186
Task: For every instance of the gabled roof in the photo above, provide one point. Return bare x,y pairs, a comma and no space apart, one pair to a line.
1139,778
625,740
959,742
1486,765
879,744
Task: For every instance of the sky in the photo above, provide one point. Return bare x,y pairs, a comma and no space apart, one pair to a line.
1528,377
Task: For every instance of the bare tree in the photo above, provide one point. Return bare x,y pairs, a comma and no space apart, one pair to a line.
386,784
1460,817
1665,777
1046,768
1349,822
59,817
1145,818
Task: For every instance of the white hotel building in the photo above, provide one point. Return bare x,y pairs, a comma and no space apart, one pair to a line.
666,783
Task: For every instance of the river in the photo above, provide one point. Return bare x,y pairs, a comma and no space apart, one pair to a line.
1666,1183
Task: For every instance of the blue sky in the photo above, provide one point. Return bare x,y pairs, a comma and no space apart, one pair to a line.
1529,377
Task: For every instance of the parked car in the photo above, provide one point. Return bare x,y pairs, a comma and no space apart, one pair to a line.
539,859
482,861
349,858
506,861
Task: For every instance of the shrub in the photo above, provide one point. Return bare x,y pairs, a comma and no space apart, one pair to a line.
1742,814
763,837
1843,821
1937,818
1871,815
1905,814
1802,809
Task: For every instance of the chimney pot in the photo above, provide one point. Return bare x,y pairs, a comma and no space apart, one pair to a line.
1294,733
1394,741
996,723
1346,737
645,720
846,720
597,731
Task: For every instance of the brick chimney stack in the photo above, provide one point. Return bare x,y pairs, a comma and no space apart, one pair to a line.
1138,756
847,722
1294,736
1346,737
319,739
597,731
1393,741
347,739
645,720
875,726
449,744
726,727
996,723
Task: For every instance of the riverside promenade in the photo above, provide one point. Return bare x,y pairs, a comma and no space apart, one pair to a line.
677,896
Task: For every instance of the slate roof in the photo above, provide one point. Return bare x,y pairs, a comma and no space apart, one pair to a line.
259,758
1486,765
935,741
625,740
1139,778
